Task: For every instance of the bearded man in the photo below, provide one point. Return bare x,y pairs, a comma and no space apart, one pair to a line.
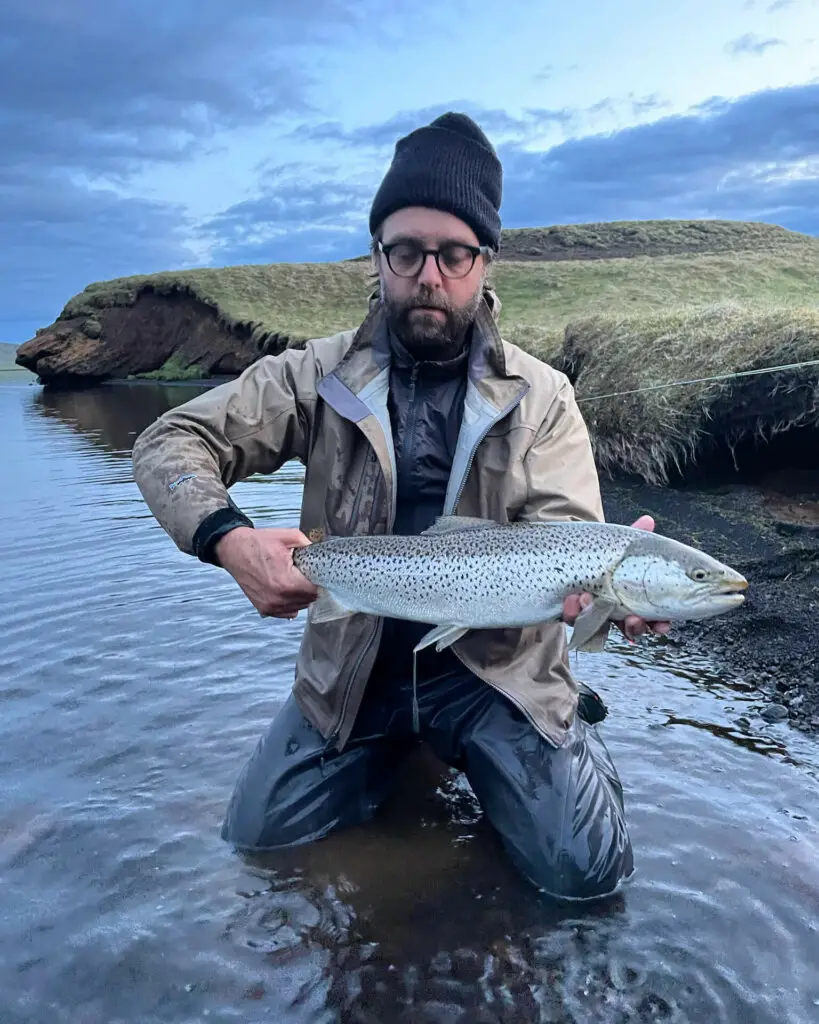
420,411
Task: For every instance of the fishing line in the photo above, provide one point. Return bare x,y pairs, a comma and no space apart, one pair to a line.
700,380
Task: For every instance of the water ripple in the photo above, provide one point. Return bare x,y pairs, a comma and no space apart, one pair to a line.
135,682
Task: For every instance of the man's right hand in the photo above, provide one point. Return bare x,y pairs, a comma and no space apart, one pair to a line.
261,562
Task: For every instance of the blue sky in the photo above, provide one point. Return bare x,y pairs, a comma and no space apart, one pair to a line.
143,136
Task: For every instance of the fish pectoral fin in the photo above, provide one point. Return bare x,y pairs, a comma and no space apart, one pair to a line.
591,627
441,636
326,608
451,524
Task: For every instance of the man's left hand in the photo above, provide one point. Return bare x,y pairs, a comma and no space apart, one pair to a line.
633,626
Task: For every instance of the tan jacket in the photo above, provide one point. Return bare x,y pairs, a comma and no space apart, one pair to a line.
523,453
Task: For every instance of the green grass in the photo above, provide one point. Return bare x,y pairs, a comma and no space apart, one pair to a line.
647,237
300,301
618,306
172,369
540,299
654,433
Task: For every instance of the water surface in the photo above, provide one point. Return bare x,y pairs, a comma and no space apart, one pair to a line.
134,683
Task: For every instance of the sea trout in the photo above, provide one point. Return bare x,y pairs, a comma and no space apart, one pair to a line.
465,573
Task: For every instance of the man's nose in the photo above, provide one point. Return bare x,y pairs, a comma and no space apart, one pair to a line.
429,274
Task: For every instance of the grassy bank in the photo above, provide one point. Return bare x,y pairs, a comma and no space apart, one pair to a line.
619,307
627,238
299,301
656,430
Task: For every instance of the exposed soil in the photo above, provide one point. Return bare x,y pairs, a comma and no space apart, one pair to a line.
138,339
764,522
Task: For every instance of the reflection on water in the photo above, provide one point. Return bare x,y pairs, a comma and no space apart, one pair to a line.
134,684
112,415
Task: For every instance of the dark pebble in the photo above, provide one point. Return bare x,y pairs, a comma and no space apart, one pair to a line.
774,712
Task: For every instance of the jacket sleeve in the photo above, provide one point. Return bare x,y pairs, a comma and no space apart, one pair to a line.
561,474
185,461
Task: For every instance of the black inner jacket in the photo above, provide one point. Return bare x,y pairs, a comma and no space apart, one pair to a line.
426,400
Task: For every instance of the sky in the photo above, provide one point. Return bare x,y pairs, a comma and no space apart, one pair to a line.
167,134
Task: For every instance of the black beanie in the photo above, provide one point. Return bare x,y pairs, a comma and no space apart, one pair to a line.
448,165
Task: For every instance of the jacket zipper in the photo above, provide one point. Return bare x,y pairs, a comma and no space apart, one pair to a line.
360,493
408,446
492,422
504,412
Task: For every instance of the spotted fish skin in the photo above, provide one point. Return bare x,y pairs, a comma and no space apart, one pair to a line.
467,573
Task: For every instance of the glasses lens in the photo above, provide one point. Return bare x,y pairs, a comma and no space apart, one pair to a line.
456,260
405,259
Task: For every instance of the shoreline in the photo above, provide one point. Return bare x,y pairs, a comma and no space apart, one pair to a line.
773,538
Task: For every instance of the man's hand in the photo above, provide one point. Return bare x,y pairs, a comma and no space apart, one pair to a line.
633,626
261,562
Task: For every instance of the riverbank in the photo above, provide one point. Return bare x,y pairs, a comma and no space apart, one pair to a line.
769,530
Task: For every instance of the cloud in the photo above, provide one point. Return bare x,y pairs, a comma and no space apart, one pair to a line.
494,122
756,157
108,87
648,104
67,235
92,93
293,219
779,5
751,44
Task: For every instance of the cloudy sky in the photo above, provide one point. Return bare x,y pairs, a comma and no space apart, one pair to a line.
142,136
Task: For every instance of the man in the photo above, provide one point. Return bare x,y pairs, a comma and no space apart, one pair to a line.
422,410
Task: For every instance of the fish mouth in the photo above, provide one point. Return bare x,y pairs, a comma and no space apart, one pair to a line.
731,594
735,587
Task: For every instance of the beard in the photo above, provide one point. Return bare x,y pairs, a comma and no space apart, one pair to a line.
427,335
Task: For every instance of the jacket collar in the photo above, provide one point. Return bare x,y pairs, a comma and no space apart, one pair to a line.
370,354
431,369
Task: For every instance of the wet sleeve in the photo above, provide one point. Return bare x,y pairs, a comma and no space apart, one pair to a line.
561,474
185,461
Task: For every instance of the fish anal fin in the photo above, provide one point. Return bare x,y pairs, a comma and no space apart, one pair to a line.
591,627
441,636
327,609
452,524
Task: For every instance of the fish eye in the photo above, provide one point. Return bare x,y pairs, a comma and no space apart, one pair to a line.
699,575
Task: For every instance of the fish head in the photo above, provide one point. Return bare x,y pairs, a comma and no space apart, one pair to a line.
667,580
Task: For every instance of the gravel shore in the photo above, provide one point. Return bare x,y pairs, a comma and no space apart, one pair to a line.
770,532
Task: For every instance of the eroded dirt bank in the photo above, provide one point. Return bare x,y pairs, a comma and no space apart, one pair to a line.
142,338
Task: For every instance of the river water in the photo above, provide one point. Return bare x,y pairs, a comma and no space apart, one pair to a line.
134,683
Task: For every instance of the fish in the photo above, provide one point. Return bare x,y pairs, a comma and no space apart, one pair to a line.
465,573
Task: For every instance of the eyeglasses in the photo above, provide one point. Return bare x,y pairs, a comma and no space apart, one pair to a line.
455,259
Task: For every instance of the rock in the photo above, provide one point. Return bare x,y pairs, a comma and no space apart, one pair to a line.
775,712
123,340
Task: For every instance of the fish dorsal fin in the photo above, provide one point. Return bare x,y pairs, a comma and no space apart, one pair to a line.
453,524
